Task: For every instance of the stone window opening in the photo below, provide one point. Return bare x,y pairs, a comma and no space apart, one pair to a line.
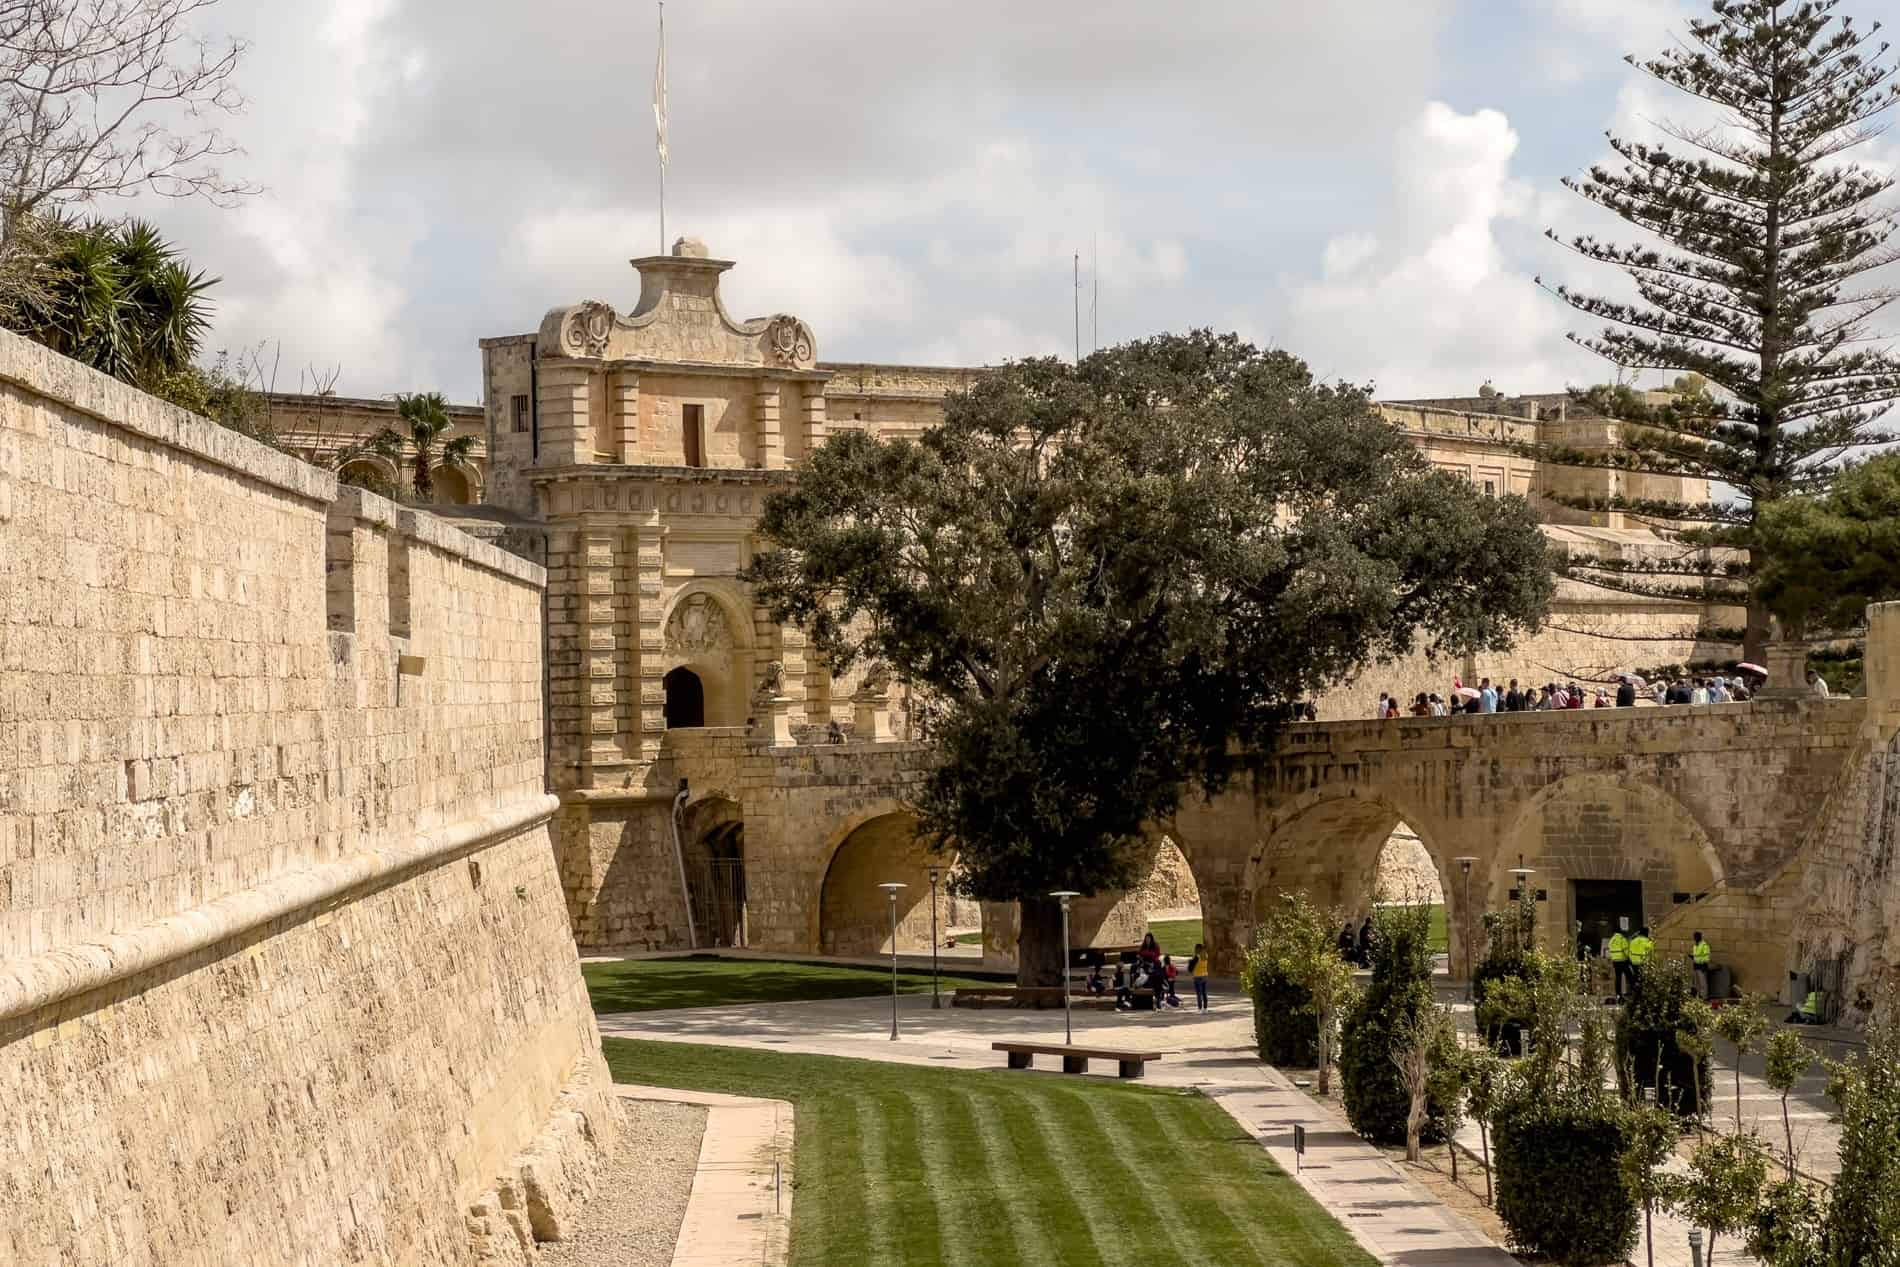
519,405
692,430
685,699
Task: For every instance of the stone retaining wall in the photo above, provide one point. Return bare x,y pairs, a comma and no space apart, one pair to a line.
284,970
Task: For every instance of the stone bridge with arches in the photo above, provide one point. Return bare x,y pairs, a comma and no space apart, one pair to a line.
1674,813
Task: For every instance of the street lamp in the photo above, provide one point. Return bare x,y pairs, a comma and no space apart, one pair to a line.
1464,864
890,890
1068,1029
935,1000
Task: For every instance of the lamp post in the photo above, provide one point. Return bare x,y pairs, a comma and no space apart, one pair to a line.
1464,864
1063,896
936,1000
890,890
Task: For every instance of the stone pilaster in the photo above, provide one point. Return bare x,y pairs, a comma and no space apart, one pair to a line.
566,651
599,661
649,615
766,420
567,433
623,403
814,421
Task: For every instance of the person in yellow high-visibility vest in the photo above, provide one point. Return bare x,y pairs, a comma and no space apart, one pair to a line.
1699,956
1640,948
1620,959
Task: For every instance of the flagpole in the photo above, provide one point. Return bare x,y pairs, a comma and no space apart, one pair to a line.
1075,289
662,145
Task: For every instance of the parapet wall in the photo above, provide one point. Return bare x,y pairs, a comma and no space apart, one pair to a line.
284,970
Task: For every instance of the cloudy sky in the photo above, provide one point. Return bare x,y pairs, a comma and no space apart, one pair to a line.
1365,183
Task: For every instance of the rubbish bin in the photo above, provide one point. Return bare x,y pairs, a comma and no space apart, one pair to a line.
1721,980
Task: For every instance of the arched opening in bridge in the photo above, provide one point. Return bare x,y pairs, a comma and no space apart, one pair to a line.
1350,854
854,915
1601,852
712,836
1166,899
685,699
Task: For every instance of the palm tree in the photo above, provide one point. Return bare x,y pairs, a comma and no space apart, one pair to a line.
427,416
115,295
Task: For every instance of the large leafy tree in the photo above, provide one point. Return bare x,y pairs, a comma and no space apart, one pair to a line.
1829,556
1108,580
1759,236
423,441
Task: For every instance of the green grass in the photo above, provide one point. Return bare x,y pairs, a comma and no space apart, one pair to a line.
970,939
653,985
899,1165
1177,936
1437,937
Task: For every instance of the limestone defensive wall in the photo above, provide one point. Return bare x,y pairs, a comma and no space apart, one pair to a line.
286,974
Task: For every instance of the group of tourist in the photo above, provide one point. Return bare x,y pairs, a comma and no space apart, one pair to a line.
1487,697
1147,977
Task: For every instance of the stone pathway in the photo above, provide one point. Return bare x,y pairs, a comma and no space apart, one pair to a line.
1398,1222
740,1208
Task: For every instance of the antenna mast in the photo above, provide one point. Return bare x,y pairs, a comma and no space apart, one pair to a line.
1076,294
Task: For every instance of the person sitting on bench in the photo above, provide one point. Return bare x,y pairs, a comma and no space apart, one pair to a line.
1096,985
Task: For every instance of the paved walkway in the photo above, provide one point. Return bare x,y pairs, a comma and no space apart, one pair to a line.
1398,1221
740,1208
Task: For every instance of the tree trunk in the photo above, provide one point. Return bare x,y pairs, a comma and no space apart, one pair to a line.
1484,1142
1755,636
1787,1126
1039,945
1325,1084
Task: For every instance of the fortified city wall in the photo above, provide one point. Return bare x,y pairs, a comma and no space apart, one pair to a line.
285,972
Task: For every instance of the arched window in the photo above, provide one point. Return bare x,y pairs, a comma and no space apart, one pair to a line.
685,699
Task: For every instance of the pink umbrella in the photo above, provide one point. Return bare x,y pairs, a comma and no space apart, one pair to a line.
1748,666
1467,692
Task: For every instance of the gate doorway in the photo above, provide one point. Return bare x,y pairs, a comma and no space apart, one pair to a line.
714,835
717,886
1599,904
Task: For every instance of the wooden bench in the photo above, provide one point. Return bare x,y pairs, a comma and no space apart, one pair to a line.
1076,1059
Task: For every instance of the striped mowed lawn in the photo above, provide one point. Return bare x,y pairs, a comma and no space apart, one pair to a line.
899,1165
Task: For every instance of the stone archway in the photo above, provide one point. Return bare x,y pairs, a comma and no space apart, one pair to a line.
453,487
374,472
1334,846
712,837
854,915
1595,831
709,634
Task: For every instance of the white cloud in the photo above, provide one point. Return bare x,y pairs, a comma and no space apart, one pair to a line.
1433,306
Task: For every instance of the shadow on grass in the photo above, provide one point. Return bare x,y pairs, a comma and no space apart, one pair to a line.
656,985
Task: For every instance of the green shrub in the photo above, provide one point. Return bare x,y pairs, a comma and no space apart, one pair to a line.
1500,982
1649,1055
1562,1139
1285,1026
1560,1189
1379,1021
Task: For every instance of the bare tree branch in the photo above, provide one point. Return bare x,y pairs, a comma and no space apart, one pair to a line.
107,98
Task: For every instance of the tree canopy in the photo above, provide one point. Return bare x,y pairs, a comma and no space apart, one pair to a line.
1104,579
1760,286
1829,556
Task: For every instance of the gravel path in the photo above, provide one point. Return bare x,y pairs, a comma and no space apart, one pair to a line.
635,1215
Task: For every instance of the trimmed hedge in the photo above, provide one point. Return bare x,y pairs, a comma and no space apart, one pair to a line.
1560,1190
1376,1099
1285,1025
1646,1036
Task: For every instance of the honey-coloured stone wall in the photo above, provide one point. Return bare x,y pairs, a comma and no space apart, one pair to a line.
284,972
